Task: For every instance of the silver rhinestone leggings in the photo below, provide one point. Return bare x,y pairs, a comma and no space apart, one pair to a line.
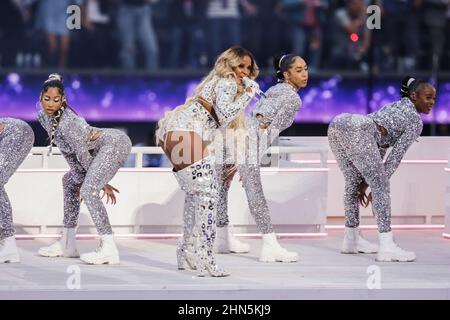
16,141
352,141
114,150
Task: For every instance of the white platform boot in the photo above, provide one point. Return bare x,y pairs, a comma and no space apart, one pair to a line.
272,251
106,253
390,251
64,247
226,242
354,242
8,250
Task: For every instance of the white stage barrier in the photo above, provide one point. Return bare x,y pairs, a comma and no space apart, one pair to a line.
150,200
304,191
447,200
417,187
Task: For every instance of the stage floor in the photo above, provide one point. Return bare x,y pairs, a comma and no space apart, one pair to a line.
148,271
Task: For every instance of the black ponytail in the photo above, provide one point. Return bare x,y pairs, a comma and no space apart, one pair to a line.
282,63
409,85
404,91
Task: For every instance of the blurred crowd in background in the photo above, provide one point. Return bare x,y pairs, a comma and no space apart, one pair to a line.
156,35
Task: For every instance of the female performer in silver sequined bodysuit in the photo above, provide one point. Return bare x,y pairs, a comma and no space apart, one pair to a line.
94,156
186,133
16,141
359,144
269,117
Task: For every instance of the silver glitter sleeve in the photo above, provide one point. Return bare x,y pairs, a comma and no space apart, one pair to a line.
74,132
226,108
268,107
411,133
282,103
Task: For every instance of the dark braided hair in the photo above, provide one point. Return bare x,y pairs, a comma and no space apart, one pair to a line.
55,122
282,63
54,81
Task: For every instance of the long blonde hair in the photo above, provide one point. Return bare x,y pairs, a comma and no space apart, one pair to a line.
223,68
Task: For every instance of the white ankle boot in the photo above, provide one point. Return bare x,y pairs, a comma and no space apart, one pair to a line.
8,250
64,247
272,251
390,251
106,253
226,242
354,242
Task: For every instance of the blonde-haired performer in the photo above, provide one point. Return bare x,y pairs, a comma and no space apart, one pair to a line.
271,114
186,133
94,156
16,141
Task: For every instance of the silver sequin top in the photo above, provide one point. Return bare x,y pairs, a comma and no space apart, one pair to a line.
221,93
279,107
218,92
403,125
72,137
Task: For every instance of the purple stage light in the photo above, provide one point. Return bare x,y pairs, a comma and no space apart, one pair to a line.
140,98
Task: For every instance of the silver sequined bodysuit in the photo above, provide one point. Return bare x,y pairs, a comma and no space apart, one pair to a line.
359,148
279,108
16,141
93,163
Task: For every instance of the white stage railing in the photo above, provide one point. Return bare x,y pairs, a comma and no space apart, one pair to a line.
137,151
446,233
150,200
304,188
417,187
